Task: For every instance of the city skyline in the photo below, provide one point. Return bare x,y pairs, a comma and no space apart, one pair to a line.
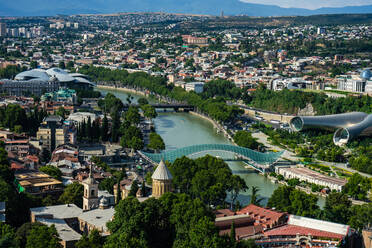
208,7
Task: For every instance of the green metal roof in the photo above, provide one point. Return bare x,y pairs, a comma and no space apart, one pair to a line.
267,158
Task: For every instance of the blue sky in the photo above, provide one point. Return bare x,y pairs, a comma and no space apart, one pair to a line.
311,4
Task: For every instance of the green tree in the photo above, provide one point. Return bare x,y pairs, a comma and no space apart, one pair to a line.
52,171
107,184
149,111
18,129
115,126
132,115
62,65
337,208
130,133
105,129
43,236
7,236
232,232
357,187
143,101
33,64
93,240
206,178
361,216
70,65
245,139
73,193
293,201
23,232
135,143
254,197
156,142
237,185
61,111
134,188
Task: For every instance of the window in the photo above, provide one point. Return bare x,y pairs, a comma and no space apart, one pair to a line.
92,192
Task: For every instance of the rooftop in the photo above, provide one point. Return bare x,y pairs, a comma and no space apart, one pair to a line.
66,233
293,230
98,217
318,224
64,211
266,215
162,172
36,179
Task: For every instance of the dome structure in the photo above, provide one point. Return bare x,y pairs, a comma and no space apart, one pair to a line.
35,74
162,172
60,74
161,180
56,75
366,74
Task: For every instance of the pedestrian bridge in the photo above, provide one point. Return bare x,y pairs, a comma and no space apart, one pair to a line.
257,160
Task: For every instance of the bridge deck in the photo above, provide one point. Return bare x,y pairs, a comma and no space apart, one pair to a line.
258,160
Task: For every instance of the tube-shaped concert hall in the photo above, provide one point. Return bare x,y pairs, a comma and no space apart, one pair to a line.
348,125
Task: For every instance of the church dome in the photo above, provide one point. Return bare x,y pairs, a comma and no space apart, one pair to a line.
162,172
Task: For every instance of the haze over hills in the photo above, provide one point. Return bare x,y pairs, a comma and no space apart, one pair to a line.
210,7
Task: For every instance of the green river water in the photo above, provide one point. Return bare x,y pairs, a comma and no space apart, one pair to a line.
184,129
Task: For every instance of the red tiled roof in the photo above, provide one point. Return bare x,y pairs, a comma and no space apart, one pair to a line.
16,141
292,230
245,231
33,158
16,166
266,216
224,212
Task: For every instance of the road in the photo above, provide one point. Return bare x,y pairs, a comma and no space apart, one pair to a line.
263,138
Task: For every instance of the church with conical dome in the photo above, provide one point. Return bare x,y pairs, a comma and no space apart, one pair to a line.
161,180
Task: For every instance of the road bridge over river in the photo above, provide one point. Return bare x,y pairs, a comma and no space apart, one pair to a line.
257,160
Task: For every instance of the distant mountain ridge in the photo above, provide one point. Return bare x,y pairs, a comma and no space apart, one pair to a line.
209,7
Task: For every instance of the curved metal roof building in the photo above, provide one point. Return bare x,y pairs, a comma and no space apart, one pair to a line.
54,74
38,74
347,125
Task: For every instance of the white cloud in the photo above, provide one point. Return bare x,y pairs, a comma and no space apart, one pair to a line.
311,4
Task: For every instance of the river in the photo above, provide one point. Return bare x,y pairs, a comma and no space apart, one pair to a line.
183,129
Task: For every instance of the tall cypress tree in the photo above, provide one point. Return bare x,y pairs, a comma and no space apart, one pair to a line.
104,129
233,233
115,126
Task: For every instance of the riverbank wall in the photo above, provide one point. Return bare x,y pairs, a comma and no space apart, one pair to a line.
269,116
123,89
215,125
202,116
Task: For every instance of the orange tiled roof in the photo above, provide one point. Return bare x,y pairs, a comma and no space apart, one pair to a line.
292,230
264,215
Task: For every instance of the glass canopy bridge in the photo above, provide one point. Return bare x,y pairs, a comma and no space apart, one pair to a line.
257,160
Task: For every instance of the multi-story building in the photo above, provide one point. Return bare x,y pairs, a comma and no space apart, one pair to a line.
2,29
198,87
38,183
351,85
27,88
268,218
192,40
52,133
62,95
305,232
356,83
310,176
